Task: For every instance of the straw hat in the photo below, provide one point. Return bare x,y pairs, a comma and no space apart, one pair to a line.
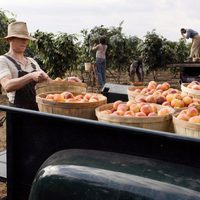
18,30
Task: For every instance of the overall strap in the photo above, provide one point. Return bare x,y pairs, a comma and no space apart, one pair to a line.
18,65
14,61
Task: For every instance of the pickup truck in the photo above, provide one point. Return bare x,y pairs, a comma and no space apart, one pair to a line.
52,157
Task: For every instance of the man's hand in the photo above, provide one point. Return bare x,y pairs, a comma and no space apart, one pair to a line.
39,76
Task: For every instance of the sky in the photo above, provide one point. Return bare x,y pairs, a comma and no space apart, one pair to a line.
139,16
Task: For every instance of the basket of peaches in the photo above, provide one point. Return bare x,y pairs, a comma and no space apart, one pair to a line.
187,122
192,89
143,115
72,104
164,95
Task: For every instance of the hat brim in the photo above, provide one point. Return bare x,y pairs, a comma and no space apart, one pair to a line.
20,36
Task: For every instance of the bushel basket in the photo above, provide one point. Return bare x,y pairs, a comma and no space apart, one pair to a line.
161,123
82,110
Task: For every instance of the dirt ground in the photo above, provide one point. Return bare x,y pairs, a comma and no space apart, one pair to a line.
162,77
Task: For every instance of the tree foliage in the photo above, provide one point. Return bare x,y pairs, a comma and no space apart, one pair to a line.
158,52
61,52
55,53
4,21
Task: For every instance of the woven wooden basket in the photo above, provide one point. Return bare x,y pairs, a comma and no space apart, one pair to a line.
82,110
61,86
185,128
161,123
189,91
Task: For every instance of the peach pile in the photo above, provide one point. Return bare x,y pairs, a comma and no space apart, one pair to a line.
190,114
164,95
195,85
131,109
68,97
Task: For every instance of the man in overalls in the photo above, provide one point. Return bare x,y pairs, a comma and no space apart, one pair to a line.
19,74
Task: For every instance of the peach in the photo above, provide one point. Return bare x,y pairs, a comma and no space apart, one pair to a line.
187,100
128,114
146,109
152,114
116,103
165,93
192,111
50,97
165,86
134,108
193,104
166,103
183,116
87,96
58,98
150,99
140,114
78,97
152,83
140,99
67,95
145,90
178,96
160,99
157,92
122,106
128,103
151,86
163,112
177,103
173,91
154,107
159,86
195,119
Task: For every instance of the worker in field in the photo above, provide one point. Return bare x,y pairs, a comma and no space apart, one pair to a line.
18,73
195,48
136,69
101,49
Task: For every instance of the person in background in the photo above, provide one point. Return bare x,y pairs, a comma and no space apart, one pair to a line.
19,74
101,49
195,48
136,68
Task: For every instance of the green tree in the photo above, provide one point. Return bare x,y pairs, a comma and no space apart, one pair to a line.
55,53
121,49
4,21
